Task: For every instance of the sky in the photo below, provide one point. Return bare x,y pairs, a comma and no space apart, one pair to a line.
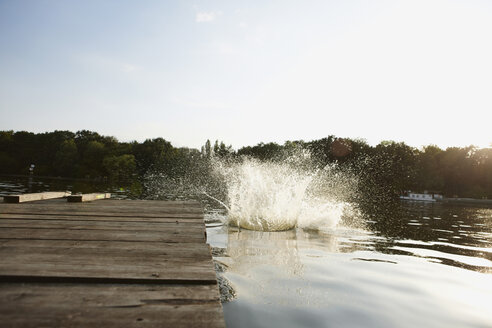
417,71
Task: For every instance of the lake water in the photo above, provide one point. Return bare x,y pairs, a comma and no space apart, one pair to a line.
423,265
413,265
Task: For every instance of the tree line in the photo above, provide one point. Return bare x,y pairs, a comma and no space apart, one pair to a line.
83,154
392,167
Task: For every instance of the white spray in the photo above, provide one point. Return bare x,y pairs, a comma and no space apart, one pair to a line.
266,195
274,196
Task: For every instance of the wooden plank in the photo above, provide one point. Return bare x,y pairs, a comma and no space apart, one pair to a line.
106,269
107,261
20,198
177,254
99,218
24,262
97,305
103,235
170,227
159,203
108,207
88,197
101,206
91,256
167,272
90,209
102,214
173,249
155,203
145,203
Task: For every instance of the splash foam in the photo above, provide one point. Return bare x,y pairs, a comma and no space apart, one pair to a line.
275,196
265,195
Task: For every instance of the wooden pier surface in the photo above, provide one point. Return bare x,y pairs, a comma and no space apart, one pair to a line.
108,263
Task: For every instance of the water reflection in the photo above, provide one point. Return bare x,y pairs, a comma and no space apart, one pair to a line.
451,235
421,265
279,249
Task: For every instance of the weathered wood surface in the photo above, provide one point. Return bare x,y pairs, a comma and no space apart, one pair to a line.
97,235
168,227
88,197
110,208
102,218
20,198
108,263
174,249
109,305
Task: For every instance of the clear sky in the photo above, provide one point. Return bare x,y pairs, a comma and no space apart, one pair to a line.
250,71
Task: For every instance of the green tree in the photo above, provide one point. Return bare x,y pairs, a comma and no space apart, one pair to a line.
268,151
157,154
456,167
92,159
221,150
207,150
483,172
393,166
321,150
120,168
66,158
25,150
8,163
429,169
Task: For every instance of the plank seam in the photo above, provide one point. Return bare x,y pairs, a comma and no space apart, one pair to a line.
96,220
101,280
122,214
112,240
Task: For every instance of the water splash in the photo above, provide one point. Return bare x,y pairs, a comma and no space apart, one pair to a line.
265,196
216,200
268,195
275,196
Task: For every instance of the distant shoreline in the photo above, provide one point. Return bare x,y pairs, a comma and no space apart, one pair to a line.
466,201
49,177
454,201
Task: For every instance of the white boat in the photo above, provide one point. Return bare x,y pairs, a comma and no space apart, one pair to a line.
425,197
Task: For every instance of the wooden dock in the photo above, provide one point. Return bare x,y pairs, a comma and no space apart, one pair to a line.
107,263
